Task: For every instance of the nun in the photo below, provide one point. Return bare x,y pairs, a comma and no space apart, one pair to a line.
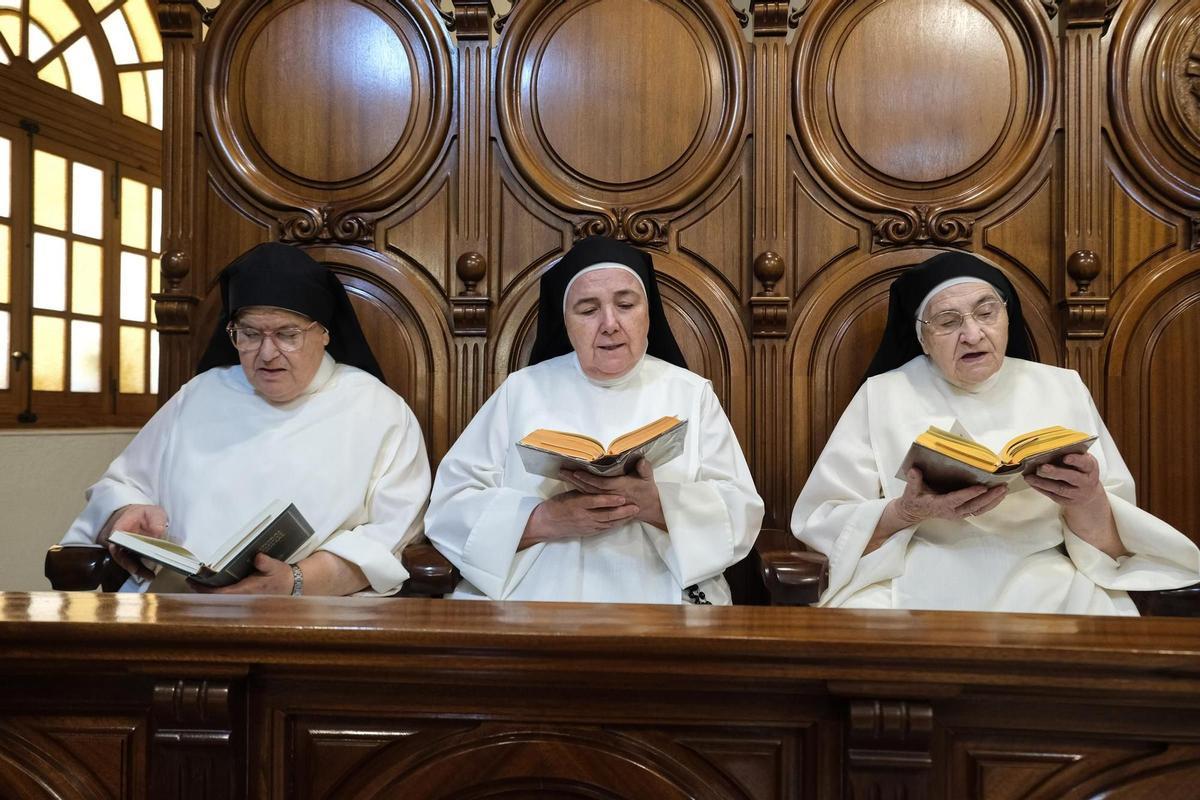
288,405
955,352
604,362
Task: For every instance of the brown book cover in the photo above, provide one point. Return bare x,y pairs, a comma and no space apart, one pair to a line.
280,532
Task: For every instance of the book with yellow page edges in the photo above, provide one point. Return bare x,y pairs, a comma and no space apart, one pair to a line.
949,461
545,452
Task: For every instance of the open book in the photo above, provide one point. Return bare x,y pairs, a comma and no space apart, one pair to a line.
545,452
278,530
951,461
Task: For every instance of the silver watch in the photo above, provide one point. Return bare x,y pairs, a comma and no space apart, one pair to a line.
297,581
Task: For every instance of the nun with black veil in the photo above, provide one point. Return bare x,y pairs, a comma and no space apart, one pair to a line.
287,405
955,353
604,362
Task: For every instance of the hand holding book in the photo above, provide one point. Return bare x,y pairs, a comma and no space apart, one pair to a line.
950,461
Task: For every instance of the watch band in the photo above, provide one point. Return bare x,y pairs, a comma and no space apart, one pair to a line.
297,581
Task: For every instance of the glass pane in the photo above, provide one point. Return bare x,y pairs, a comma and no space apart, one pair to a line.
3,56
153,362
99,5
134,200
10,29
85,356
87,200
39,42
54,15
155,286
49,342
49,272
119,39
156,220
154,85
133,287
55,73
86,278
5,177
133,360
133,96
85,74
49,190
5,269
4,362
145,29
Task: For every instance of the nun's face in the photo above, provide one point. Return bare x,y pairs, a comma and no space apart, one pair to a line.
974,352
277,375
607,321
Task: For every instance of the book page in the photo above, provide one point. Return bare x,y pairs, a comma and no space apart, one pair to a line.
574,445
641,435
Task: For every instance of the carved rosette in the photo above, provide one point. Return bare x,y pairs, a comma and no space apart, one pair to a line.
621,223
920,226
324,225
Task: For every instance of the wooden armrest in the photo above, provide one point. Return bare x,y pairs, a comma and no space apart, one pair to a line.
82,568
430,574
1183,602
792,576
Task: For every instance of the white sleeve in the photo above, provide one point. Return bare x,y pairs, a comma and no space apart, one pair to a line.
713,520
474,519
840,505
1161,557
398,494
133,478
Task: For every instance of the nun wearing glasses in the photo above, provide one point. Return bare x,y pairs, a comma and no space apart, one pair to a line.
955,350
287,404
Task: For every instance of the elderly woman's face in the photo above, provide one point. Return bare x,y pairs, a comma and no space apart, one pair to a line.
607,321
277,375
974,352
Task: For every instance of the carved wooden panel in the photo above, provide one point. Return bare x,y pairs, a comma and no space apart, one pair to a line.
964,92
1155,379
780,161
367,83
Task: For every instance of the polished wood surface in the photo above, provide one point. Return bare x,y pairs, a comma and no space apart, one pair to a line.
783,163
213,697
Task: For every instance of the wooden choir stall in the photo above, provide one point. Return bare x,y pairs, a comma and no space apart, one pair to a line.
783,163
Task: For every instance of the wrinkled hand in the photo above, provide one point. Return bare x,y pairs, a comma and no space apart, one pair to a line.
919,502
638,488
271,577
1074,483
575,514
144,519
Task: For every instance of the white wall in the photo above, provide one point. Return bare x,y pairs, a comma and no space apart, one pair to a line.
42,478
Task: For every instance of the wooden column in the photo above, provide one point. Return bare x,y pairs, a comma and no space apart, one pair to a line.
1086,282
173,306
194,745
471,304
770,307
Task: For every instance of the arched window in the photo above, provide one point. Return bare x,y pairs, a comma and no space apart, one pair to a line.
80,211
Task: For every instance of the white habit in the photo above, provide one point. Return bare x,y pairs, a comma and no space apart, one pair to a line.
482,495
348,452
1020,556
